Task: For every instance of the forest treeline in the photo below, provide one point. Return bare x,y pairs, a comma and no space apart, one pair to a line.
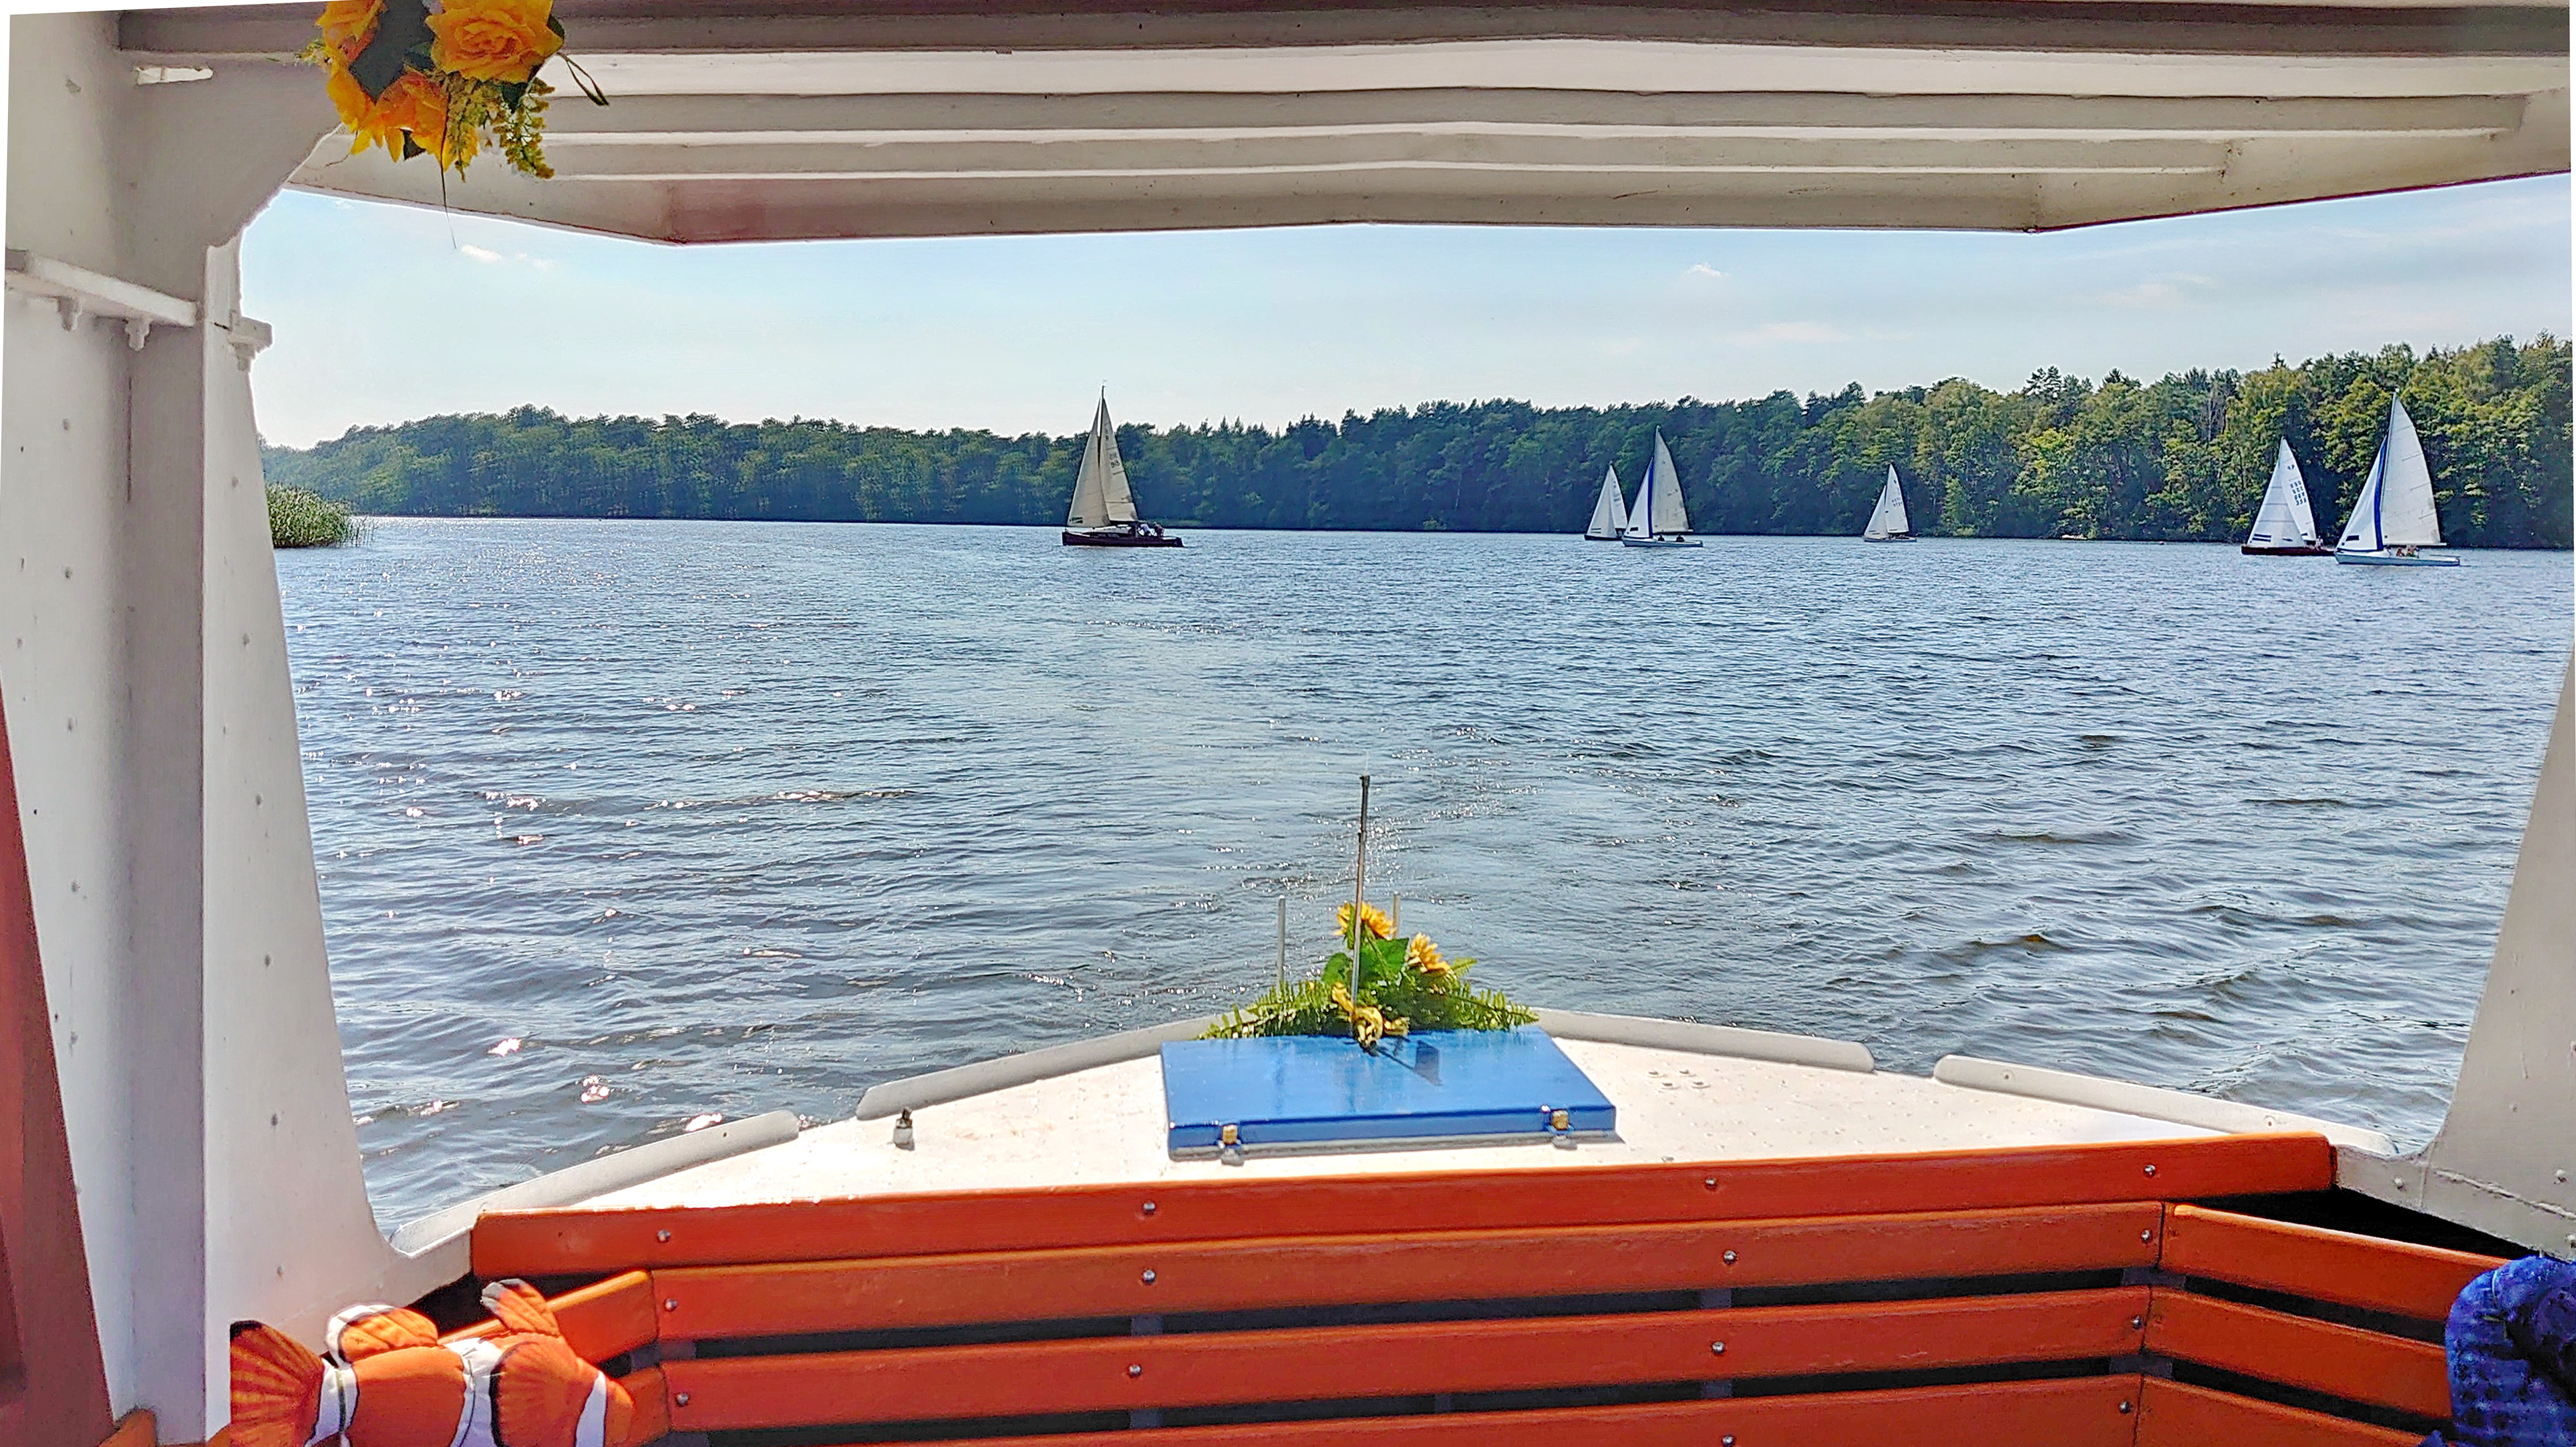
2185,457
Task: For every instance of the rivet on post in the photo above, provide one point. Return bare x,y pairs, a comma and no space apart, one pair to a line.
1135,1369
1729,1258
1149,1276
662,1235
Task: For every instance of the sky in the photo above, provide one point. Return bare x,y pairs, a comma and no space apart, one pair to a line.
385,313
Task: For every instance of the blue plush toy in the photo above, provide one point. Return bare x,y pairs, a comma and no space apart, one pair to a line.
2512,1346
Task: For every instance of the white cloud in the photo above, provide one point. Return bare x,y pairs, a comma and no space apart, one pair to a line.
1702,268
477,253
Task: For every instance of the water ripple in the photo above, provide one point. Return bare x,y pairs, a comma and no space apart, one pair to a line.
626,825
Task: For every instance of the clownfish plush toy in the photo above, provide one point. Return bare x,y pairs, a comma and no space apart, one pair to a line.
390,1382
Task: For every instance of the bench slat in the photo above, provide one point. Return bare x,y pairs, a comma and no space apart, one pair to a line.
2311,1261
1227,1368
914,1291
2082,1412
652,1396
599,1321
2175,1414
583,1240
2341,1361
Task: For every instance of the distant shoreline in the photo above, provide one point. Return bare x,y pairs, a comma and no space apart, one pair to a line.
2182,459
373,518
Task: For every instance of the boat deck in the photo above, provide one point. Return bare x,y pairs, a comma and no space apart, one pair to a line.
1105,1125
1886,1255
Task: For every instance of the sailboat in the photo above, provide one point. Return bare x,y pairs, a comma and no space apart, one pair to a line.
1610,514
1659,520
2283,525
2394,515
1887,523
1104,511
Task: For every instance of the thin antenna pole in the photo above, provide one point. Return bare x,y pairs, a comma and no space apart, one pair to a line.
1359,893
1283,942
1395,916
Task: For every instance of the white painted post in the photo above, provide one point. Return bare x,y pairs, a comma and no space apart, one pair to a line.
1359,893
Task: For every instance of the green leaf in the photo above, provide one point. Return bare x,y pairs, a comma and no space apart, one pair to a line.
403,28
1381,962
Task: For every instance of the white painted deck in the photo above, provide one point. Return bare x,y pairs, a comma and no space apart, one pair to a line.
1106,1125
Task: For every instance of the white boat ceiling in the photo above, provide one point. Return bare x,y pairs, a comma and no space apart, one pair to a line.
740,123
1105,1125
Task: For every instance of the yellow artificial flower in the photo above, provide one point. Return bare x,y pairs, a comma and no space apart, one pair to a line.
504,40
1423,955
1372,919
350,99
347,26
415,105
1368,1023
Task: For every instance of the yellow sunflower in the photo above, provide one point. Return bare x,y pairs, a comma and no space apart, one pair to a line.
1372,919
1421,954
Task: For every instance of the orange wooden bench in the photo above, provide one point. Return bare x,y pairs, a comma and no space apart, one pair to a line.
2047,1296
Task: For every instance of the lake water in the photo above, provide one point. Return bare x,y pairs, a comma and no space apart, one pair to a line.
625,824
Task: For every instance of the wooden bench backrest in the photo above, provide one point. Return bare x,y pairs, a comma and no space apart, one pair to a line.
1621,1304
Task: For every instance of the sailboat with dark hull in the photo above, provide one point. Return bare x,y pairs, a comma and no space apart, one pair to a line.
2285,526
1104,511
1887,521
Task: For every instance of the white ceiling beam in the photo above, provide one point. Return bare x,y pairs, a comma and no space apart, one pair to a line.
995,160
805,118
1570,65
663,119
702,207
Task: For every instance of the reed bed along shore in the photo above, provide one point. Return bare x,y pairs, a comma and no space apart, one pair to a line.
299,519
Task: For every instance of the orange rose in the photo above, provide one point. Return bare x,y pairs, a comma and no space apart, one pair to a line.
504,40
347,25
414,103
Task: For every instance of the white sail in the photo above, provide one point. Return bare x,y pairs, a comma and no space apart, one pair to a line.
2361,532
2407,518
2284,520
1659,512
1888,519
1100,495
1610,514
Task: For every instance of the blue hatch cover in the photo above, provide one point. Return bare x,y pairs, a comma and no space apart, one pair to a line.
1320,1092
